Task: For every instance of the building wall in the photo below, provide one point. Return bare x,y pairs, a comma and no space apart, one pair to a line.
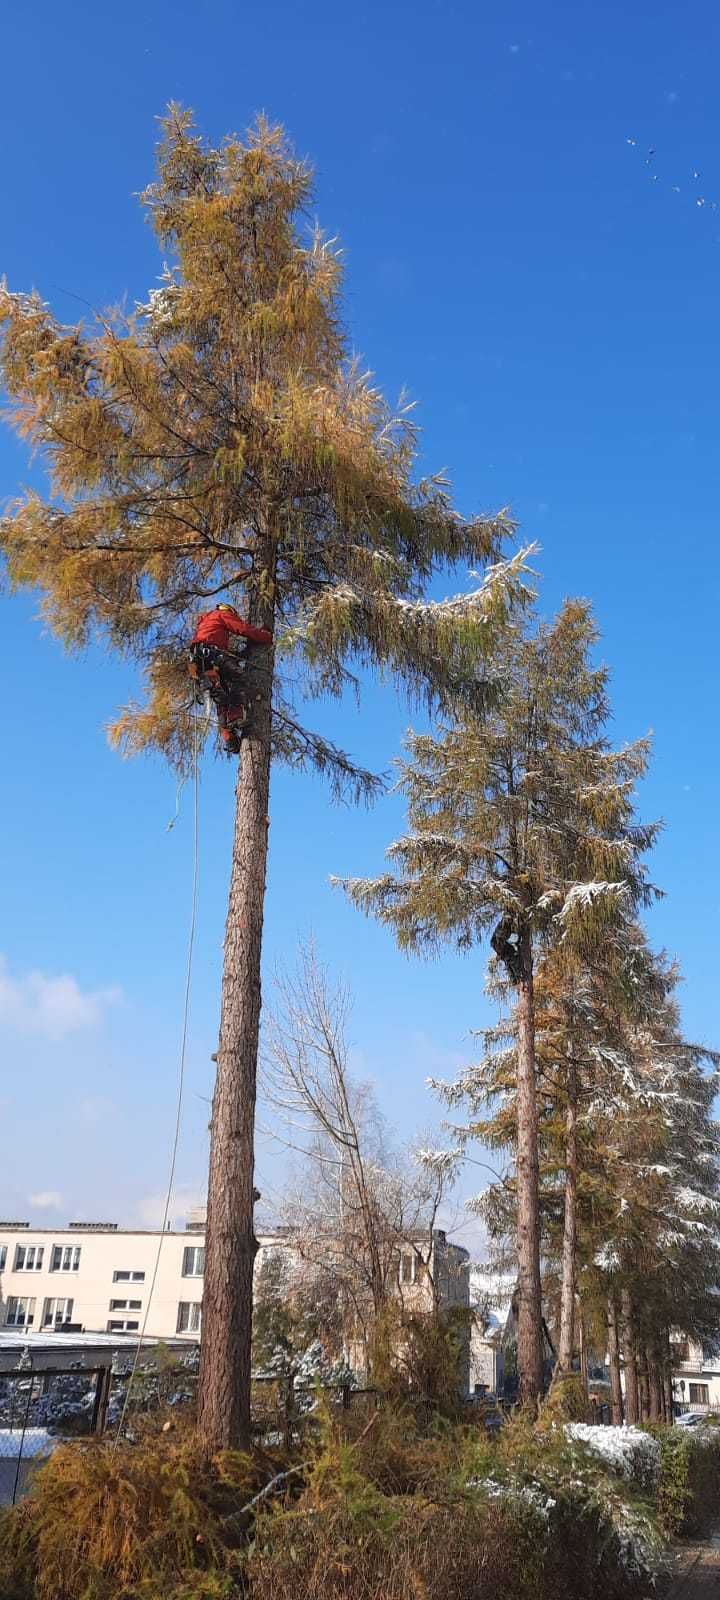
93,1284
486,1359
103,1253
696,1378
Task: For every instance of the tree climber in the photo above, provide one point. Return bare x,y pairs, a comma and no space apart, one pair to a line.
506,944
222,671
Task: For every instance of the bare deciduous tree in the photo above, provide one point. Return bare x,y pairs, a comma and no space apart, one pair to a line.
359,1212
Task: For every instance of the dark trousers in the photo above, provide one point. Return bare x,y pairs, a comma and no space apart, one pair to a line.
224,675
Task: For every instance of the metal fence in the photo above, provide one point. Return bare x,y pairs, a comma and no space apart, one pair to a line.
39,1409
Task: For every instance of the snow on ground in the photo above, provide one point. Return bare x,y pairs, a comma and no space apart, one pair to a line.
34,1442
16,1469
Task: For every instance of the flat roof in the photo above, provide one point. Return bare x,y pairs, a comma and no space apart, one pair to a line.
190,1234
17,1338
60,1349
27,1228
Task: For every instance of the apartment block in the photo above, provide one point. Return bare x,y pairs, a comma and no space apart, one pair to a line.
103,1279
99,1278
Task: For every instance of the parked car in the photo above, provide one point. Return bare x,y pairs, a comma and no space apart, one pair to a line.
690,1419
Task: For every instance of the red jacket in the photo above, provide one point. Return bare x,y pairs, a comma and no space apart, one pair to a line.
215,627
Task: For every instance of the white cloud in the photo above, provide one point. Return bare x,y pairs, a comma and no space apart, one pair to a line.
46,1200
51,1007
151,1208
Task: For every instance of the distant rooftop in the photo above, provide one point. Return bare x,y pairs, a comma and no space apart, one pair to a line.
61,1351
95,1227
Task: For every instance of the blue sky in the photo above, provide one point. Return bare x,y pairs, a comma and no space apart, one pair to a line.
551,302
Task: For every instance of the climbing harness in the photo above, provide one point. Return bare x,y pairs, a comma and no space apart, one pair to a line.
219,676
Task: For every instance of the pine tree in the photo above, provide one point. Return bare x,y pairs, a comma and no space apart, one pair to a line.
584,1065
526,816
220,444
655,1251
585,1008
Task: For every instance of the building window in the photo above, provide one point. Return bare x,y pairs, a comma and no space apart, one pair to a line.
680,1350
56,1312
28,1257
189,1316
122,1326
193,1261
3,1256
125,1305
123,1276
20,1312
65,1258
407,1267
699,1394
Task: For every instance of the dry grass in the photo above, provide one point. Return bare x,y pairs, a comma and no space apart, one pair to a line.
381,1511
418,1550
144,1520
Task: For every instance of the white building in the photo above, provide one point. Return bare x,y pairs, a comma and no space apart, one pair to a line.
696,1375
98,1278
490,1297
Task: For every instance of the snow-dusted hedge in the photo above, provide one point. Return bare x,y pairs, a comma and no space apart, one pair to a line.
630,1452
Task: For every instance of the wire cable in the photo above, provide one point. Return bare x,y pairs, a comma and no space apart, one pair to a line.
181,1076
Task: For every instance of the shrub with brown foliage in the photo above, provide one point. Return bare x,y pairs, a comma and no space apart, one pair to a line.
131,1523
381,1508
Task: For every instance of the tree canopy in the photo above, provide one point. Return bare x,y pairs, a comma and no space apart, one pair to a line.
220,442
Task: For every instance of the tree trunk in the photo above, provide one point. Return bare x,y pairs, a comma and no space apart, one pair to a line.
583,1352
614,1358
654,1392
529,1341
643,1383
566,1349
668,1383
230,1248
632,1398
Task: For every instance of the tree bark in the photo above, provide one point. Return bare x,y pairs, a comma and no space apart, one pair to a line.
529,1343
614,1358
643,1383
230,1246
566,1349
583,1352
632,1398
668,1383
654,1390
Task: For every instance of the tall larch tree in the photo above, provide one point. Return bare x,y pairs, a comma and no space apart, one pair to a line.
584,1067
522,823
586,1061
655,1231
219,443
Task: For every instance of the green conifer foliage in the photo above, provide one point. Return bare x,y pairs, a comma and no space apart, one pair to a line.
219,444
521,820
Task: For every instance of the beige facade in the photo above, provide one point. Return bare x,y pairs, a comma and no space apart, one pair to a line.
100,1280
696,1376
104,1279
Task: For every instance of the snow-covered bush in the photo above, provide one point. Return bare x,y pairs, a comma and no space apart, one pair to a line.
632,1454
